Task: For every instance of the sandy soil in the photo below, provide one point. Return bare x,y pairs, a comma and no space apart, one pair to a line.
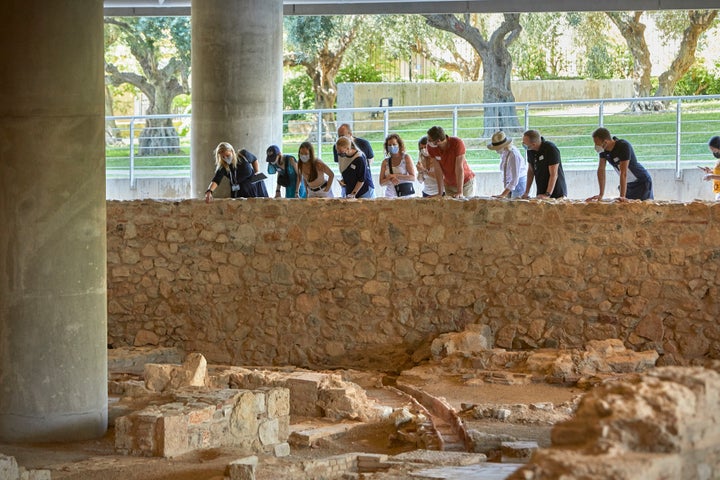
96,459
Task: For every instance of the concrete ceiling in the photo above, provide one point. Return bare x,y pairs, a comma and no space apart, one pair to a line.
348,7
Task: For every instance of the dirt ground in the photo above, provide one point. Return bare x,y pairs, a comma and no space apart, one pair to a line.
96,459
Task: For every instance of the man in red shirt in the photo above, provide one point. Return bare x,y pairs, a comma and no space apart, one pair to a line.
452,167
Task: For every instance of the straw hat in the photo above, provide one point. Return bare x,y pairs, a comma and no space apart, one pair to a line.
498,141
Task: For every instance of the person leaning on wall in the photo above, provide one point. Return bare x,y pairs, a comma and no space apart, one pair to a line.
356,176
635,181
286,168
317,177
453,173
512,165
713,174
544,166
239,169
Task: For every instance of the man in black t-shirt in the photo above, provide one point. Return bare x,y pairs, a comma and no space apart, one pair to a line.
635,181
544,166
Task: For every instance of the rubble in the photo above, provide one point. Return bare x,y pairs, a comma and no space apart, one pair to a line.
664,424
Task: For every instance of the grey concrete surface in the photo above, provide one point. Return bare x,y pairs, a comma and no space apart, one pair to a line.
53,249
237,56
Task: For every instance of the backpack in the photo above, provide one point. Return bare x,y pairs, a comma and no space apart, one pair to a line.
283,178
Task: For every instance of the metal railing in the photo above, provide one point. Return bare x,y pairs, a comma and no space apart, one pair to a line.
673,138
138,146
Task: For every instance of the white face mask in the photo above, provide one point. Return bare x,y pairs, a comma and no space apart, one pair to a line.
304,158
423,151
599,149
394,149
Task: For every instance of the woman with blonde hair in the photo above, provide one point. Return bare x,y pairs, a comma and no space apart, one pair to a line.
397,172
238,169
317,176
356,176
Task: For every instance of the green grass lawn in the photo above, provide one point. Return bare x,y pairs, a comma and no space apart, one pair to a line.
653,136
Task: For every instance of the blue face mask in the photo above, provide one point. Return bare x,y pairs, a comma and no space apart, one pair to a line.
228,160
394,149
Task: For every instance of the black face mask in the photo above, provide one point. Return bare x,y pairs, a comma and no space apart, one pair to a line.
716,154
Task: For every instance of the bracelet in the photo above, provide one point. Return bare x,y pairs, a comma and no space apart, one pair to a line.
208,191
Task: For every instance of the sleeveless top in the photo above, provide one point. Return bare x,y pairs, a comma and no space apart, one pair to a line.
401,170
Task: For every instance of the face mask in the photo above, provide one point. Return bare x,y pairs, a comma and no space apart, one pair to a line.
423,151
343,155
394,149
304,158
525,147
716,154
228,160
432,144
599,149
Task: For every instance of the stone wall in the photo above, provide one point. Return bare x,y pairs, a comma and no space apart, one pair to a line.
370,284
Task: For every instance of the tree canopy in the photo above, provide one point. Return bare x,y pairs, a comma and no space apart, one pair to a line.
161,48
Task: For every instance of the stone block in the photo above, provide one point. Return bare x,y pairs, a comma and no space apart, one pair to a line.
35,474
278,402
172,436
162,377
8,468
307,438
243,423
195,369
304,388
243,469
281,449
268,432
514,452
158,376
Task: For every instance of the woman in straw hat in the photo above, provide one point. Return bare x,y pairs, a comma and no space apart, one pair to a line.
512,165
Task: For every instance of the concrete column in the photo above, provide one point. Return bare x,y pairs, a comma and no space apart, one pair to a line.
53,249
237,49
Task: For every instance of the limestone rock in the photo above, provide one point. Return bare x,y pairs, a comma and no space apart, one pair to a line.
664,424
162,377
469,342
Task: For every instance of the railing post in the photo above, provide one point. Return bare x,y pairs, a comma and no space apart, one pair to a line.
527,117
601,114
319,133
455,121
678,131
132,154
386,122
319,136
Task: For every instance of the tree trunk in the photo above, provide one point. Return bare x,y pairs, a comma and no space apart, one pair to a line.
497,69
325,91
159,137
700,21
112,132
633,31
497,66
